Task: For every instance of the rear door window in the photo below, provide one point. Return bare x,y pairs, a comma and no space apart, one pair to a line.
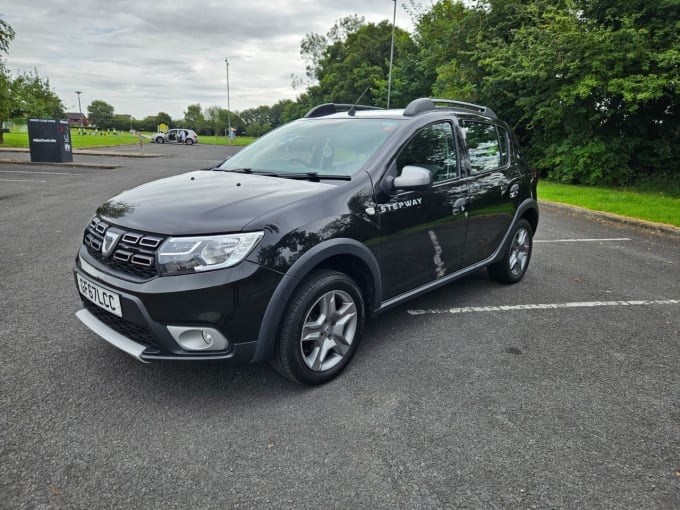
484,148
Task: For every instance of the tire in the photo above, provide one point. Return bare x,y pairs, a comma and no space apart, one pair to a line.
512,267
321,328
160,139
190,141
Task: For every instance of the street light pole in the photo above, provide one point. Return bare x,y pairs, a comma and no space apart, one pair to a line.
389,79
80,111
226,61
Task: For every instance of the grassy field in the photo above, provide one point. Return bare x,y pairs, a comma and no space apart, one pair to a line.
649,205
90,141
222,140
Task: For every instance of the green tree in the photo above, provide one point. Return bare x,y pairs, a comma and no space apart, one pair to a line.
194,119
151,122
314,46
31,96
590,86
163,118
148,123
297,109
217,119
255,114
278,110
352,65
357,62
409,80
6,36
595,84
257,128
445,36
4,97
100,114
122,122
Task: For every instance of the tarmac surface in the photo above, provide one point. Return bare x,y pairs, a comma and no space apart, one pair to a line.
558,392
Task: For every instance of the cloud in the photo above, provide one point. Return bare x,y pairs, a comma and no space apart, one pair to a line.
146,57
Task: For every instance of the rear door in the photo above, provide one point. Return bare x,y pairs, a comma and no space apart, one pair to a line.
494,188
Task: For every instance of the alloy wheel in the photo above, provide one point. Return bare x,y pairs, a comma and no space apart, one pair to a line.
328,331
519,252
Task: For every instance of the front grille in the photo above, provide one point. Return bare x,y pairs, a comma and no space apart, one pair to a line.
133,252
126,328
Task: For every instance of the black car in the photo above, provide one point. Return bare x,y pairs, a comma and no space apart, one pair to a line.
281,252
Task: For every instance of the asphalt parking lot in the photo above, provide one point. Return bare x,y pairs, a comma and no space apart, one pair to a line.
559,392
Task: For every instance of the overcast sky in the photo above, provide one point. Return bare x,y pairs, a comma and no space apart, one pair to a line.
144,56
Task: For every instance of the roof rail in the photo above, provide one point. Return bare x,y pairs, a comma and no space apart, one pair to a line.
425,104
329,108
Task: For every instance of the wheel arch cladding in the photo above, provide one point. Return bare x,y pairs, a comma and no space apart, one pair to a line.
531,215
345,255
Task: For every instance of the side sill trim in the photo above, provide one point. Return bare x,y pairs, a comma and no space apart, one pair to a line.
134,349
423,289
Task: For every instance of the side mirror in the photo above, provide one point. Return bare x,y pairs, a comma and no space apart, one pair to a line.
413,177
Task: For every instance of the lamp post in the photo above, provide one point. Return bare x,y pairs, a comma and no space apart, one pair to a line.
80,111
226,61
389,79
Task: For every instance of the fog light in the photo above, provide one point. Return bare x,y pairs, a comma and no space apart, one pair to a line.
199,339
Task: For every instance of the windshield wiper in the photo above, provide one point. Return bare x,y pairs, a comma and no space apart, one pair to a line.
239,170
312,176
250,171
315,176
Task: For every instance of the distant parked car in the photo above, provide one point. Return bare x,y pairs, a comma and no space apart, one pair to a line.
175,136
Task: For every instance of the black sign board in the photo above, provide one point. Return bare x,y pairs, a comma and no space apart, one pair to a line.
50,140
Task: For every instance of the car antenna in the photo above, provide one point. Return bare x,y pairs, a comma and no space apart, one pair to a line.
353,110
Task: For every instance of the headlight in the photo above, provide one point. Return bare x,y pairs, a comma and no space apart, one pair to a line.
193,254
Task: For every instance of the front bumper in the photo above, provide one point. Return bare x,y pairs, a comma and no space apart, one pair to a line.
112,336
230,302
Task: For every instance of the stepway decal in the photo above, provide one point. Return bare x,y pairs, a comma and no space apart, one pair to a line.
439,267
401,204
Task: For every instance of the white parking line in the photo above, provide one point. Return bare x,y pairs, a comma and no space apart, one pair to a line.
546,306
30,172
19,180
582,240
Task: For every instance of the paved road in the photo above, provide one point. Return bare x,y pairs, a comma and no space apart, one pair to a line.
471,397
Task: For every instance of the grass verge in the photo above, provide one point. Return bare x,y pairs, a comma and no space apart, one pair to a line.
653,206
222,140
20,140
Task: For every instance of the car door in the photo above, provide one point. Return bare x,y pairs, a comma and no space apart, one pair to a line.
493,191
423,231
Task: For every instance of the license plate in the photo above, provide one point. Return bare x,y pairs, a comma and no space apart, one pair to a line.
109,301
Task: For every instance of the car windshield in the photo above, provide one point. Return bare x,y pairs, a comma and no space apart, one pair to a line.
319,147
